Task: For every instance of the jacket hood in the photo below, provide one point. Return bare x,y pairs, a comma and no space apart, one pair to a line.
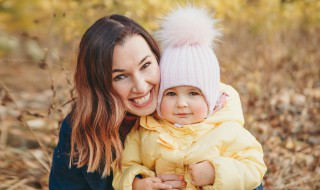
230,112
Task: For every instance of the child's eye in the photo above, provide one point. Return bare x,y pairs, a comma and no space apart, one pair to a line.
145,65
194,93
119,77
170,94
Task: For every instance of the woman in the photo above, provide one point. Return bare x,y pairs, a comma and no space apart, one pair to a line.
116,79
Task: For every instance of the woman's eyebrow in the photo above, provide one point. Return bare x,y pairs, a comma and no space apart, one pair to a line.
117,70
142,60
122,70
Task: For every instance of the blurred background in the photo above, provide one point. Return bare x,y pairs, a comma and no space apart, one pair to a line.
269,53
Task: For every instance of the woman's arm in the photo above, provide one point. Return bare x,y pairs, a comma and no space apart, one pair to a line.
62,177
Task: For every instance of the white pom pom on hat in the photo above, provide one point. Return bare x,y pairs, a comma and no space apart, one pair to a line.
186,36
187,25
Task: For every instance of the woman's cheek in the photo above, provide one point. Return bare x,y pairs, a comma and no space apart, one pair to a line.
121,88
154,77
156,70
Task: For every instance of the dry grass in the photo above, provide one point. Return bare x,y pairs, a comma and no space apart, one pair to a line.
278,79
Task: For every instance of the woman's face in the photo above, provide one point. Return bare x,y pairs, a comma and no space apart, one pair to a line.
136,75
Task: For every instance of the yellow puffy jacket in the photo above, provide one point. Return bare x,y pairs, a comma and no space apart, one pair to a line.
157,147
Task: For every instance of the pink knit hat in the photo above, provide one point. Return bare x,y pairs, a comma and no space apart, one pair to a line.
186,36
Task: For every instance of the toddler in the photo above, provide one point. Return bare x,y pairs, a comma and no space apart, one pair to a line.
198,118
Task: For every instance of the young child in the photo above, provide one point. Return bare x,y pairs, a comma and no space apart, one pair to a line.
198,118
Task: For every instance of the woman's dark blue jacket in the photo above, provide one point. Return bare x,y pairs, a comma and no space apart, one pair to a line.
64,178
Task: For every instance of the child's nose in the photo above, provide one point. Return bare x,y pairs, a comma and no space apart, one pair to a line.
182,102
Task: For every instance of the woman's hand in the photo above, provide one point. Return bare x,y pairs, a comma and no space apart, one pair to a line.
202,173
149,183
176,181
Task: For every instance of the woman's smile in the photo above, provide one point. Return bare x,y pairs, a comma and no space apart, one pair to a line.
144,100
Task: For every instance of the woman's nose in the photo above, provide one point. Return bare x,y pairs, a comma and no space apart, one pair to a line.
140,85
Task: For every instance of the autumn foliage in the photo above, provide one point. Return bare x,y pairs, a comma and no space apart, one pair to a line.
269,53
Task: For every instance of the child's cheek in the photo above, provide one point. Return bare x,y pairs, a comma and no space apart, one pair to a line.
165,107
202,109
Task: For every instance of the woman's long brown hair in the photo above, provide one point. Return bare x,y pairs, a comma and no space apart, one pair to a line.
98,110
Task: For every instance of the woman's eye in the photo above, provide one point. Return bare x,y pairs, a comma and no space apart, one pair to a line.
170,94
145,65
119,77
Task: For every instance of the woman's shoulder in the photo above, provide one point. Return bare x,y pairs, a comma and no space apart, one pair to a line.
66,125
65,133
64,177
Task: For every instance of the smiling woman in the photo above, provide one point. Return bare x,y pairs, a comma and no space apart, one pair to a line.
116,80
136,75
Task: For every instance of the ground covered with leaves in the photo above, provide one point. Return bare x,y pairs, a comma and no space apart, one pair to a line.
278,79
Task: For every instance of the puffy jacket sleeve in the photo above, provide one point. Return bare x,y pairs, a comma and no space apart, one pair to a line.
131,163
240,164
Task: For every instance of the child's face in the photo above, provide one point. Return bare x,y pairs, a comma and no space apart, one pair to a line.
184,105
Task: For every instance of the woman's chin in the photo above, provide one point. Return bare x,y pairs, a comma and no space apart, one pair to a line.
142,109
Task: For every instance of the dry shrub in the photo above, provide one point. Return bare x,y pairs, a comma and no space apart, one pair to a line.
278,79
276,73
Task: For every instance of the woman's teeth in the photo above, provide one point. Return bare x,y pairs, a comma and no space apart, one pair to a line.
142,100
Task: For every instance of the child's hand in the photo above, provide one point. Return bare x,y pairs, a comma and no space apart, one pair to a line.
202,173
176,181
149,183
